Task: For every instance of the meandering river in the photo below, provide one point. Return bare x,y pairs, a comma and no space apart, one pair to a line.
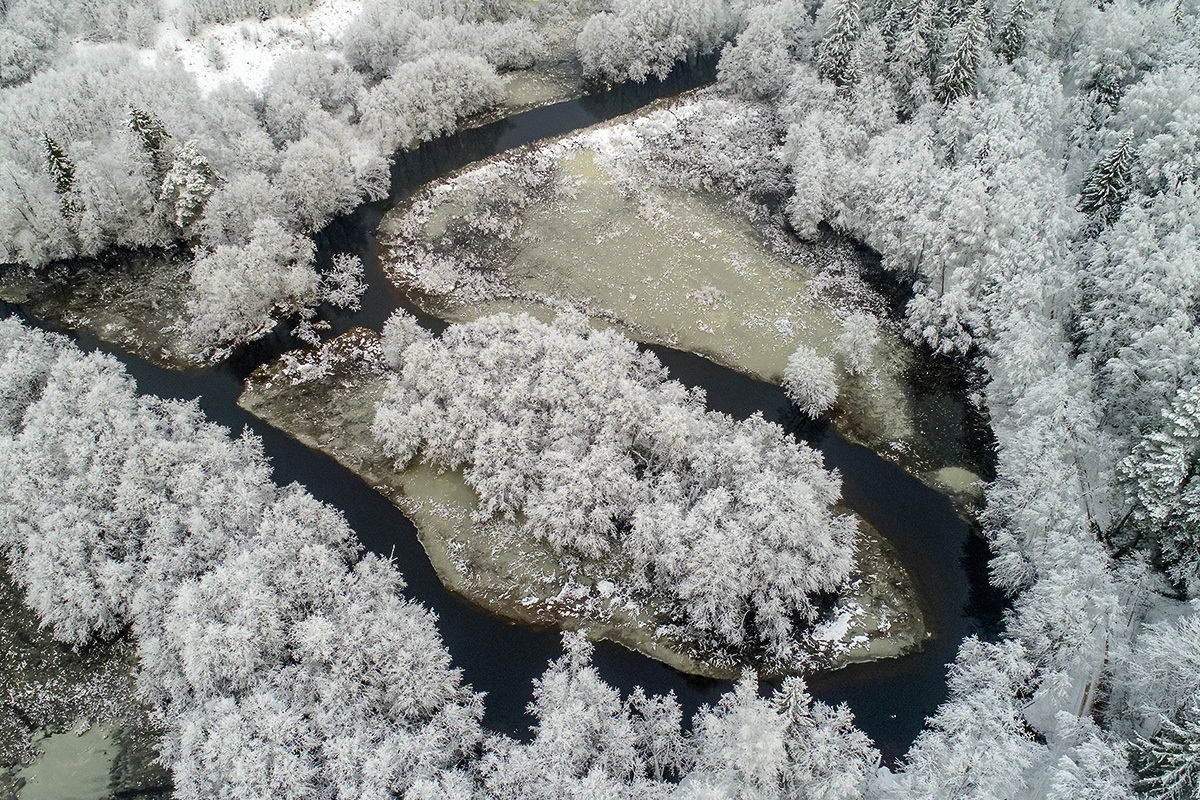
890,698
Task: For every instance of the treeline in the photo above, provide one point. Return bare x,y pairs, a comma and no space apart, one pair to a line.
1033,166
283,662
110,147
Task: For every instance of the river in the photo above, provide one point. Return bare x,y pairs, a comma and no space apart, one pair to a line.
890,699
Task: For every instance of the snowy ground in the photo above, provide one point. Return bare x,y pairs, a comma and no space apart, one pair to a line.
244,51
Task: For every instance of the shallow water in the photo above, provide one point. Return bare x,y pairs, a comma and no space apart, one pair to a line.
72,767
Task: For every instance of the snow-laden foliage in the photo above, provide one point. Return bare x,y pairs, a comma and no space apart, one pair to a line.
810,380
112,147
588,743
1163,472
280,661
633,39
1033,169
603,457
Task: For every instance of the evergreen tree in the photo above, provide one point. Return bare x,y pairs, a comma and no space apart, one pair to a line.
1107,185
1170,760
1010,40
913,46
154,139
961,68
837,57
1164,474
61,170
188,184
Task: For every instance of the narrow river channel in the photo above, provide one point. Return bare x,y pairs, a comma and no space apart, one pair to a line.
890,698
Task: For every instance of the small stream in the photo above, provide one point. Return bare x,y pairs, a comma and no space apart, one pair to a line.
890,699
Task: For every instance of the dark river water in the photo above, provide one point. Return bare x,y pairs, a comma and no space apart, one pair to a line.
890,699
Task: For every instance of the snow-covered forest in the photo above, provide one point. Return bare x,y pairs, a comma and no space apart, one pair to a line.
1027,167
604,458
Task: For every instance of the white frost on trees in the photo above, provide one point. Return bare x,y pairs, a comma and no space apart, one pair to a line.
605,458
279,660
638,38
810,381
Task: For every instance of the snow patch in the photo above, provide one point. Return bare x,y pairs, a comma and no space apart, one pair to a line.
249,48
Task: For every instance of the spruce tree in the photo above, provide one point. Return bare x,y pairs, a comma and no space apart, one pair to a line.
837,57
155,141
1107,185
1163,474
188,184
961,68
1169,762
61,170
1010,40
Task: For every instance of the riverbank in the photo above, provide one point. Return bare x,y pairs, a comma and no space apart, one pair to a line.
326,399
657,225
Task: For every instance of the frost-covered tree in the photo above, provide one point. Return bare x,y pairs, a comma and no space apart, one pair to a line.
604,458
740,745
966,47
342,285
810,381
1013,30
828,758
1163,472
1108,183
584,739
977,744
638,38
1141,285
278,659
61,170
188,184
154,141
399,110
855,345
237,292
1169,762
836,51
775,38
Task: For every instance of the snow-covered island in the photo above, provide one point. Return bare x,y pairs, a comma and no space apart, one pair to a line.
610,552
666,223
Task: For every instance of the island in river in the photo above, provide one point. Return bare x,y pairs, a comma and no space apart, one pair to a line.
663,224
326,398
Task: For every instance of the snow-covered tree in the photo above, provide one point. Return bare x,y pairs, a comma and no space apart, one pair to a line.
810,381
1013,30
1169,762
965,50
639,38
1164,476
776,37
605,458
237,292
1108,183
188,184
61,170
855,345
836,51
277,658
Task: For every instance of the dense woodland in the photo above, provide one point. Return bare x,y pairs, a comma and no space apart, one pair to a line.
1030,164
